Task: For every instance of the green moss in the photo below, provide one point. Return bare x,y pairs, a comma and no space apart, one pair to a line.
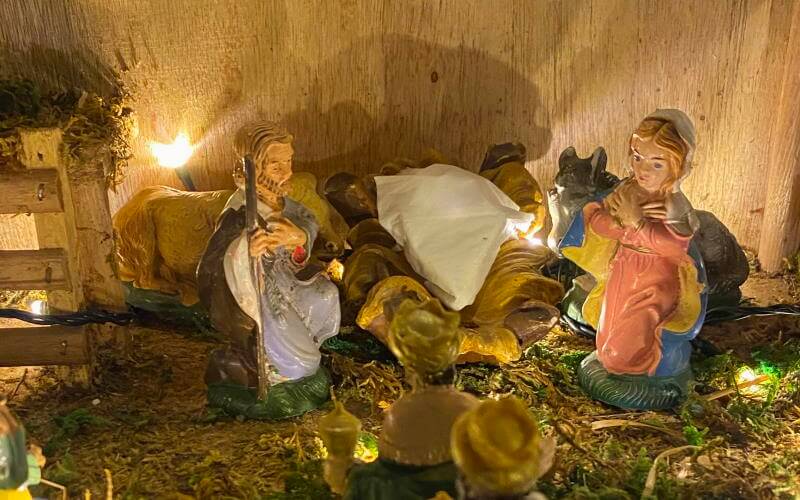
612,449
779,359
94,128
69,426
304,482
64,471
693,435
715,370
572,360
637,471
367,443
479,379
602,493
358,345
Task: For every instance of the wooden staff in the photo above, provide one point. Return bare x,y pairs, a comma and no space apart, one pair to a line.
257,270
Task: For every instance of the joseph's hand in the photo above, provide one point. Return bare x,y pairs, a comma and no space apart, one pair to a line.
259,243
281,233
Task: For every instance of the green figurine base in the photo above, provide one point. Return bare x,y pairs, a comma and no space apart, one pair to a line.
285,400
385,480
167,307
572,303
632,392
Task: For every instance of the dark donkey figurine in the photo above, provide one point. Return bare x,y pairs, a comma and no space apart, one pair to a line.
581,180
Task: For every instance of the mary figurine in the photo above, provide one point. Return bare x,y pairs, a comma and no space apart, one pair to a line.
649,299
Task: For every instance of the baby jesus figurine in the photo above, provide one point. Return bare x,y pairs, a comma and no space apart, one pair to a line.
650,296
296,310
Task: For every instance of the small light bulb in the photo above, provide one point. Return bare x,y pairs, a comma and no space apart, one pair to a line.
173,155
536,241
745,375
38,306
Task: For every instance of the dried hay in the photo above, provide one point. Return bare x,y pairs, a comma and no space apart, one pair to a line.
374,382
152,431
97,132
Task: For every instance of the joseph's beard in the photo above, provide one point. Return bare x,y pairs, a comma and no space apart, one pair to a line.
271,188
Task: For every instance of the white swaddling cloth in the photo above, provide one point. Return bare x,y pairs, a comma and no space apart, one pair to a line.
450,223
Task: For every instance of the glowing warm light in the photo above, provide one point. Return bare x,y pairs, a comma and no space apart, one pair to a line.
747,377
526,233
37,307
746,374
336,271
173,155
364,451
533,239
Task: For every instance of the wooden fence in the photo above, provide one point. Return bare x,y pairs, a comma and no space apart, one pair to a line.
73,263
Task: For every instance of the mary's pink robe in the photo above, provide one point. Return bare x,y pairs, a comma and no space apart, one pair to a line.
641,294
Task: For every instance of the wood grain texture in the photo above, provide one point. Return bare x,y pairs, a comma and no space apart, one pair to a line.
34,270
95,247
40,150
360,82
17,232
49,345
30,192
83,229
781,230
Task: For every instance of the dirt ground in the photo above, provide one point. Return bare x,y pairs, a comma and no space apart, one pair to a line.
144,430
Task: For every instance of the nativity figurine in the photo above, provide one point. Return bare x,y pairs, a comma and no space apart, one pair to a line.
466,239
582,180
499,452
162,232
294,310
20,465
339,431
650,287
415,460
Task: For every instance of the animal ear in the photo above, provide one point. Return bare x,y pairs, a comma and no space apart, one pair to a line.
598,162
567,153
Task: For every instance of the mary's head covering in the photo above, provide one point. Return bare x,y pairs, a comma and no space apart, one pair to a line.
683,124
680,213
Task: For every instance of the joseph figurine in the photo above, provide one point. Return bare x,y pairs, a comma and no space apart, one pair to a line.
300,307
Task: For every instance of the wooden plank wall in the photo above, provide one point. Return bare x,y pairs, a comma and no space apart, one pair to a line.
780,232
360,82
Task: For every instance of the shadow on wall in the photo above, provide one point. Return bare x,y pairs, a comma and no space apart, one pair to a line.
382,97
46,43
414,95
54,69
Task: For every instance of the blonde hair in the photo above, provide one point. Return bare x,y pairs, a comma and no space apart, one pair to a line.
665,135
